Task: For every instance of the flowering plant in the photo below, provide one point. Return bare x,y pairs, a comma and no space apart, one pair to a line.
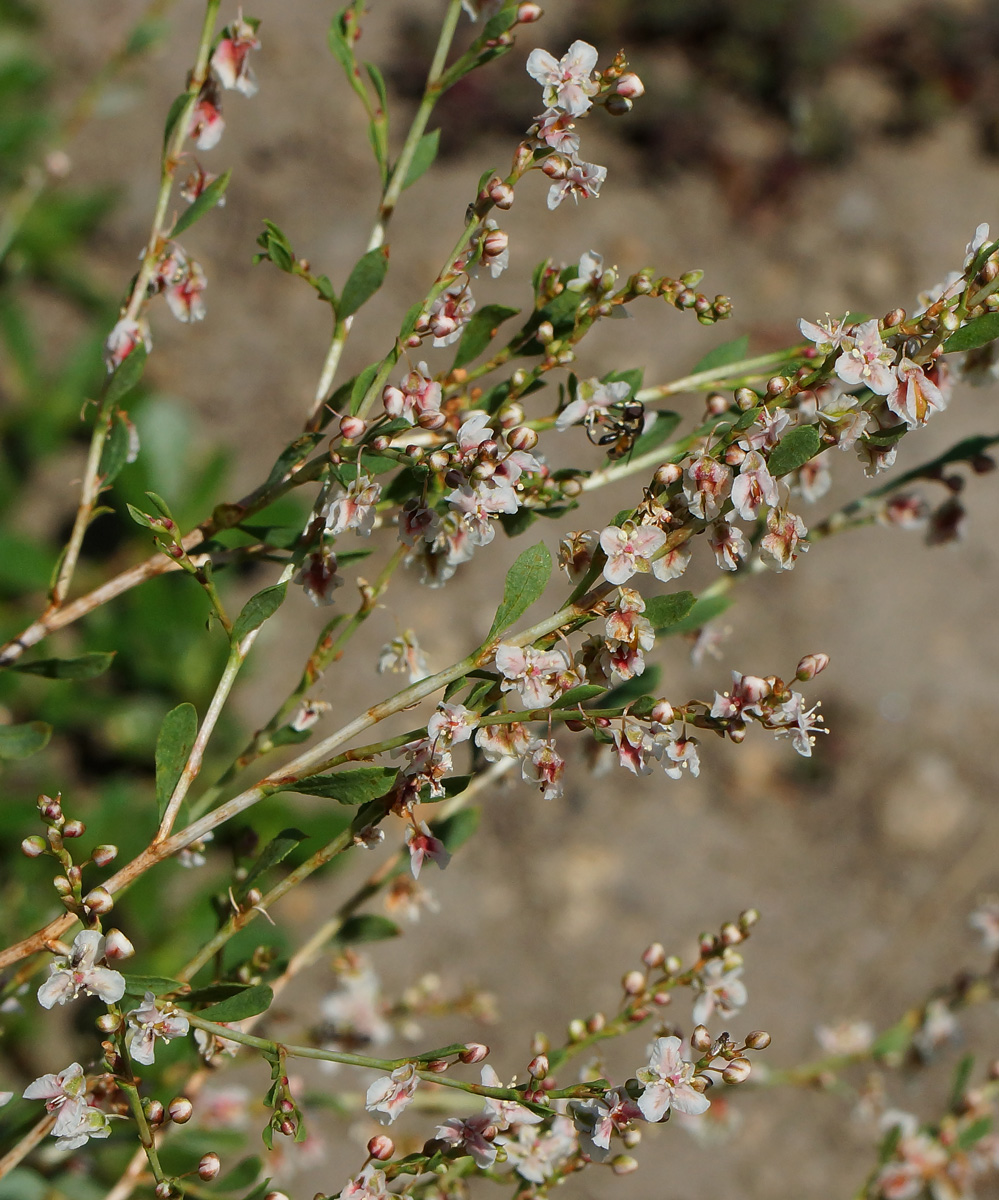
456,436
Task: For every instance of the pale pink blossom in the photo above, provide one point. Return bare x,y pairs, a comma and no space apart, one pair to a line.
418,524
423,845
720,989
404,654
915,397
369,1184
568,81
840,414
592,396
318,576
207,124
753,487
536,1154
765,432
428,764
416,396
708,486
149,1023
78,972
747,694
123,339
813,479
599,1118
682,754
354,1009
907,510
782,543
798,722
230,60
65,1093
977,242
452,724
985,919
354,507
503,741
582,180
876,459
388,1097
629,549
591,277
867,360
938,1026
307,714
195,184
473,1136
182,282
450,313
532,672
543,765
673,563
576,551
845,1038
504,1113
634,745
555,129
827,334
667,1081
729,545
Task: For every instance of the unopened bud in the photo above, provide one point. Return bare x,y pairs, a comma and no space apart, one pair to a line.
33,846
288,1128
438,1065
631,1137
737,1071
522,438
102,856
706,943
623,1164
577,1030
655,955
501,194
109,1023
572,488
895,317
630,85
382,442
440,460
618,106
527,14
545,332
155,1112
495,243
431,420
633,983
352,427
209,1166
165,1190
685,298
734,455
663,714
538,1066
74,829
746,398
700,1039
810,666
748,918
716,404
596,1023
180,1110
381,1147
117,946
731,934
512,414
672,965
759,1039
474,1052
777,384
661,999
75,875
556,166
99,900
62,885
668,474
51,810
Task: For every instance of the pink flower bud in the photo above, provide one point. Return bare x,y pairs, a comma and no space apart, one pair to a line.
527,14
74,829
474,1052
287,1128
180,1110
522,438
501,194
164,1190
672,965
655,955
716,405
51,810
737,1071
633,983
777,384
512,414
62,885
661,999
596,1023
700,1039
545,333
438,1065
381,1147
431,420
759,1039
352,427
538,1066
734,455
810,666
382,442
209,1166
101,856
155,1112
662,714
276,1196
99,900
495,243
556,166
731,934
75,875
33,846
706,943
748,918
117,946
668,474
631,86
109,1023
623,1164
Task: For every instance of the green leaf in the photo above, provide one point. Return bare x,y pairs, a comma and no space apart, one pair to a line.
339,46
423,157
977,332
525,583
516,523
960,1082
361,385
794,449
173,116
356,786
215,992
974,1132
248,1003
20,741
480,331
86,666
243,1175
886,437
114,454
127,375
365,279
257,610
664,611
159,985
723,355
276,850
260,1191
209,198
377,79
632,377
173,746
579,695
895,1040
705,609
455,830
633,689
366,927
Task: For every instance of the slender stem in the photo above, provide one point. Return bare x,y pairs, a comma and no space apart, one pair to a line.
746,367
90,489
31,1139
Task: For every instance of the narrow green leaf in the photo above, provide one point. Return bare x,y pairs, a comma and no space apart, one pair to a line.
139,517
340,47
276,850
579,695
723,355
260,1191
423,157
365,279
127,375
85,666
480,331
215,992
366,927
325,289
247,1003
209,198
978,332
257,610
243,1175
355,786
706,609
794,449
294,453
20,741
114,455
959,1084
664,611
159,985
378,80
173,116
887,437
525,583
895,1040
516,523
361,385
455,830
173,745
974,1132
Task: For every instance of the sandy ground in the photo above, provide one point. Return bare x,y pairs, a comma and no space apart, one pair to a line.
864,862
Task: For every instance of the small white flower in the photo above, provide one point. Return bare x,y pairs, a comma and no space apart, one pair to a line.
568,81
149,1024
68,977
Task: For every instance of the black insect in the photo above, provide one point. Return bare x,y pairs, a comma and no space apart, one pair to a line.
617,427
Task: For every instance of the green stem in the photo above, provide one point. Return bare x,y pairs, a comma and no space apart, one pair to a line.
748,368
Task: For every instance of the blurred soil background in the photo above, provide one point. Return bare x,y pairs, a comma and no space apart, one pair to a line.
810,158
